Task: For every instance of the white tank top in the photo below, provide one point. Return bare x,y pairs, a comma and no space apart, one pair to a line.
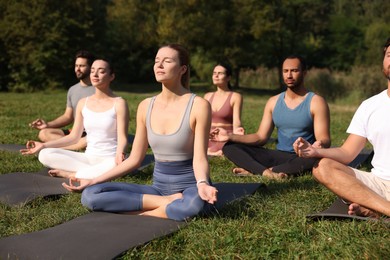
101,129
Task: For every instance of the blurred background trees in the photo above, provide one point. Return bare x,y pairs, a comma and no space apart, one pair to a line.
38,38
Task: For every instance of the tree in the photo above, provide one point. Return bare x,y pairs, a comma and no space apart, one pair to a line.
284,27
41,37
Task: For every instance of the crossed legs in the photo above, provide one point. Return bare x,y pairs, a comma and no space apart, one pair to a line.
341,180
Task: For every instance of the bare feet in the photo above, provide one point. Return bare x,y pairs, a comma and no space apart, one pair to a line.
61,173
217,153
173,197
356,209
241,172
160,211
273,175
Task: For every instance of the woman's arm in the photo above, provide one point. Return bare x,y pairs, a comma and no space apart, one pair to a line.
200,123
138,151
122,119
237,109
33,147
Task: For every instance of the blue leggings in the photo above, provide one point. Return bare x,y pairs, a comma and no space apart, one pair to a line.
168,178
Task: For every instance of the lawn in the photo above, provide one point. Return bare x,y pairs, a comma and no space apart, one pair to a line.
268,225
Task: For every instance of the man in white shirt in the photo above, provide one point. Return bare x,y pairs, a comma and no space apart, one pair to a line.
367,192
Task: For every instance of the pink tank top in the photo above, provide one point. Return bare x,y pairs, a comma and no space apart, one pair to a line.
225,114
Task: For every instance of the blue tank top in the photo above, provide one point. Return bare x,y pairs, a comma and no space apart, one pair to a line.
178,146
293,123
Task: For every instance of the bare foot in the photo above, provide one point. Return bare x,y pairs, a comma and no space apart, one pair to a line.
241,172
217,153
160,211
356,209
174,196
61,173
273,175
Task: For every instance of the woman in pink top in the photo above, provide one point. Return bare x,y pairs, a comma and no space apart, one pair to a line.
226,106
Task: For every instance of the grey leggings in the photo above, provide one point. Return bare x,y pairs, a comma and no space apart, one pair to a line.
168,178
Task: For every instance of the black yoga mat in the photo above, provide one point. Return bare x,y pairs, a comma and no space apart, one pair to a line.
97,235
22,187
228,192
100,235
338,210
363,156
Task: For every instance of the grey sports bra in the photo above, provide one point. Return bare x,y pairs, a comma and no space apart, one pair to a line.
178,146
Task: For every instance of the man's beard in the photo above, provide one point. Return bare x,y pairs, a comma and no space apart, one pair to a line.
386,72
82,76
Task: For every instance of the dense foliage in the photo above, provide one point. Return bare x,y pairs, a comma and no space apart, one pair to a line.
38,38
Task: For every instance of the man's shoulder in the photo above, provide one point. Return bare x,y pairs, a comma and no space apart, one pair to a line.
275,98
375,98
75,87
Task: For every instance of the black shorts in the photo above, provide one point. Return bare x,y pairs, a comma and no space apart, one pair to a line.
67,131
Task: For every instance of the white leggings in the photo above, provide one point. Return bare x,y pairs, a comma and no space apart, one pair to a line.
86,166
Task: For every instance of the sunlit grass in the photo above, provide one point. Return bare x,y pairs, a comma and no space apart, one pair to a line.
268,225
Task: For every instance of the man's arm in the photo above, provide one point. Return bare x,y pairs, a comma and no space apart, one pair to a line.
265,128
321,120
63,120
344,154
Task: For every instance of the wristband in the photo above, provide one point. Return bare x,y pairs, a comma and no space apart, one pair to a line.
202,181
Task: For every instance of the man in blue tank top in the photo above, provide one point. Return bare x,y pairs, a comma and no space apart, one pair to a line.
52,130
295,113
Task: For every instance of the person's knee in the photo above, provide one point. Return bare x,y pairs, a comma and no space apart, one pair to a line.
323,169
184,208
45,155
87,198
43,135
229,149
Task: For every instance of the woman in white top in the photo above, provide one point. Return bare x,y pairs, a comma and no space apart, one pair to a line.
105,117
176,124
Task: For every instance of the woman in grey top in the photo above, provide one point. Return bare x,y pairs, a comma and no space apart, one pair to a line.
176,124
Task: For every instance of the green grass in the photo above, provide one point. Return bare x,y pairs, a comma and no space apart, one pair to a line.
269,225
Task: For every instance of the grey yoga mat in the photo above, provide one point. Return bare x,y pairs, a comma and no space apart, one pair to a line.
22,187
12,147
100,235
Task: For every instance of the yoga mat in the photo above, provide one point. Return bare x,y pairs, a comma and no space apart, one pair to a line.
97,235
12,147
361,158
100,235
228,192
22,187
338,210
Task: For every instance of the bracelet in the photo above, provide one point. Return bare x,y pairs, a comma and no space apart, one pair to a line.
202,181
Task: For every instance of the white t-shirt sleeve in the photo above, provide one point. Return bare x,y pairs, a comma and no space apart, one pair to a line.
359,122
